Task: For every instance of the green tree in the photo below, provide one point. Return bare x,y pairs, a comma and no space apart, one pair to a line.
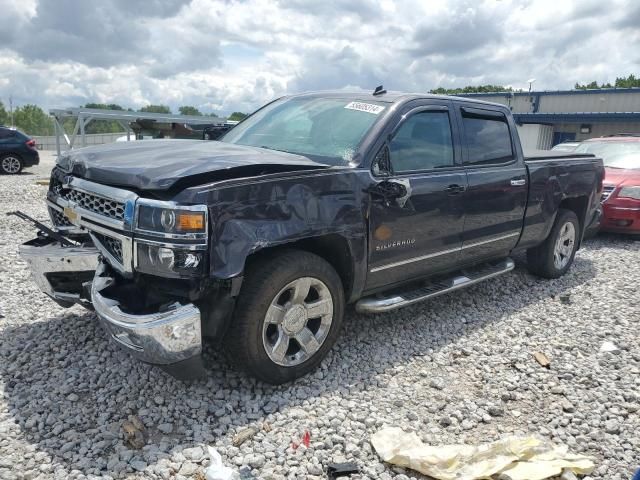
237,116
103,126
32,120
472,89
628,82
621,82
4,115
104,106
189,110
156,109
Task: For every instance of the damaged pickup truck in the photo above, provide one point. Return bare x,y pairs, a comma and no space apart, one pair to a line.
316,201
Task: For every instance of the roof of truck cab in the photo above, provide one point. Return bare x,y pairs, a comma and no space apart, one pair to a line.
391,97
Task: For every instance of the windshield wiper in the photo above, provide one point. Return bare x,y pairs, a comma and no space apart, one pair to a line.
274,149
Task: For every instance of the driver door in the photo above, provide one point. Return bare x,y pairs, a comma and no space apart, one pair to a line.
417,214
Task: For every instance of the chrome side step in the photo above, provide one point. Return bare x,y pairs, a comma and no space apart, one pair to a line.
401,298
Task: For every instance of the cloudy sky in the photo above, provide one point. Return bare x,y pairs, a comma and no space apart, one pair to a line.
235,55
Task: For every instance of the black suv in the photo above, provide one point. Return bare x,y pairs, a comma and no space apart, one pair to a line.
17,151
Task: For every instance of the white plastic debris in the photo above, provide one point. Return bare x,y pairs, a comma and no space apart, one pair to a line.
216,469
517,458
608,347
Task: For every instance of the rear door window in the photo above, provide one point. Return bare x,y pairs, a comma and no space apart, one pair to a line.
487,137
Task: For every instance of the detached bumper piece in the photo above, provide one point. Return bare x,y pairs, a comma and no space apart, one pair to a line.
63,273
164,337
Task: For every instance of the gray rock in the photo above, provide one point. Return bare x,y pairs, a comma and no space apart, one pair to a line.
254,460
138,465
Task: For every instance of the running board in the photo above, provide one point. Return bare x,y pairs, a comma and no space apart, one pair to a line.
463,278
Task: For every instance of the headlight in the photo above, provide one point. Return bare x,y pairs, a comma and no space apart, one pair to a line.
169,261
171,220
630,192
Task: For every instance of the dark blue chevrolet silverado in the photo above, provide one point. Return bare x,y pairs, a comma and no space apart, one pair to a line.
259,240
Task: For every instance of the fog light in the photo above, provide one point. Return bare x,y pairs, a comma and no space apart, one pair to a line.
166,257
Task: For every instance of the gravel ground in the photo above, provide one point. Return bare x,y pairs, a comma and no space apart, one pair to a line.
456,369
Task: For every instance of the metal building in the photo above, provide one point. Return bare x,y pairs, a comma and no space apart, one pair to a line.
547,118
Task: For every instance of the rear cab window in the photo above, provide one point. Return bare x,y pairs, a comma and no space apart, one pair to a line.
487,137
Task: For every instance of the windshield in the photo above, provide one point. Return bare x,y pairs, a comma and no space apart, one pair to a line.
629,161
613,153
328,128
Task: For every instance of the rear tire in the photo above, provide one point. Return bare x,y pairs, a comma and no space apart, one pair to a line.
11,164
555,255
288,316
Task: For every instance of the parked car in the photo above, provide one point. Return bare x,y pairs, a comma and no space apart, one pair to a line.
565,146
621,191
17,151
315,201
214,132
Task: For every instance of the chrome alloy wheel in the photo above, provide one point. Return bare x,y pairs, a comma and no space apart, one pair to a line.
564,246
10,164
297,322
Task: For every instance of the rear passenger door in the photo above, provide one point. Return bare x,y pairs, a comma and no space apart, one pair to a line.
496,196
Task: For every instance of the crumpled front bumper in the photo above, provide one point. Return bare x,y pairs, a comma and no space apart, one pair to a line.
75,275
165,337
61,272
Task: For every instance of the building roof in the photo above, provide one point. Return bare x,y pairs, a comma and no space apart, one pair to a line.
592,91
576,117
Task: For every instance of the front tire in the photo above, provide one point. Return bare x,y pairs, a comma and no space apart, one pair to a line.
555,255
288,316
11,164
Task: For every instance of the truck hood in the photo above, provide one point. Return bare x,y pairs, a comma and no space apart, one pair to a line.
164,164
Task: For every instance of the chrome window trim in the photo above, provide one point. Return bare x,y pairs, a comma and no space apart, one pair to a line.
442,252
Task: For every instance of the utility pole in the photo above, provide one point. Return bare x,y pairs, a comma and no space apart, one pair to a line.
11,108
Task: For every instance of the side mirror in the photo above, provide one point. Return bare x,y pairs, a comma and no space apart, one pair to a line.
389,190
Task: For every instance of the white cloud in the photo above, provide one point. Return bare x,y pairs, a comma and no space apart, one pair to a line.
232,55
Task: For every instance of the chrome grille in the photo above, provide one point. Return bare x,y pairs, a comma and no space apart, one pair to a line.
607,190
112,245
58,218
95,203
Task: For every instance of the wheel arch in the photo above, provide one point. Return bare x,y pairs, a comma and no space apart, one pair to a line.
579,206
335,249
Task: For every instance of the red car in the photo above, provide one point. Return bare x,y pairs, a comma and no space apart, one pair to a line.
621,190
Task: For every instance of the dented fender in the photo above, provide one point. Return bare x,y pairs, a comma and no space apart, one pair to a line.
255,214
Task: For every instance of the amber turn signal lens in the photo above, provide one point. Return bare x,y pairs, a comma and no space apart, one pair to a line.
190,222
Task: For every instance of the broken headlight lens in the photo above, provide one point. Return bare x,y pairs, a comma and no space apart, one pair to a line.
171,220
169,262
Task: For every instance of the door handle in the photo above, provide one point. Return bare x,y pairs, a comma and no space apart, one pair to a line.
518,182
454,189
